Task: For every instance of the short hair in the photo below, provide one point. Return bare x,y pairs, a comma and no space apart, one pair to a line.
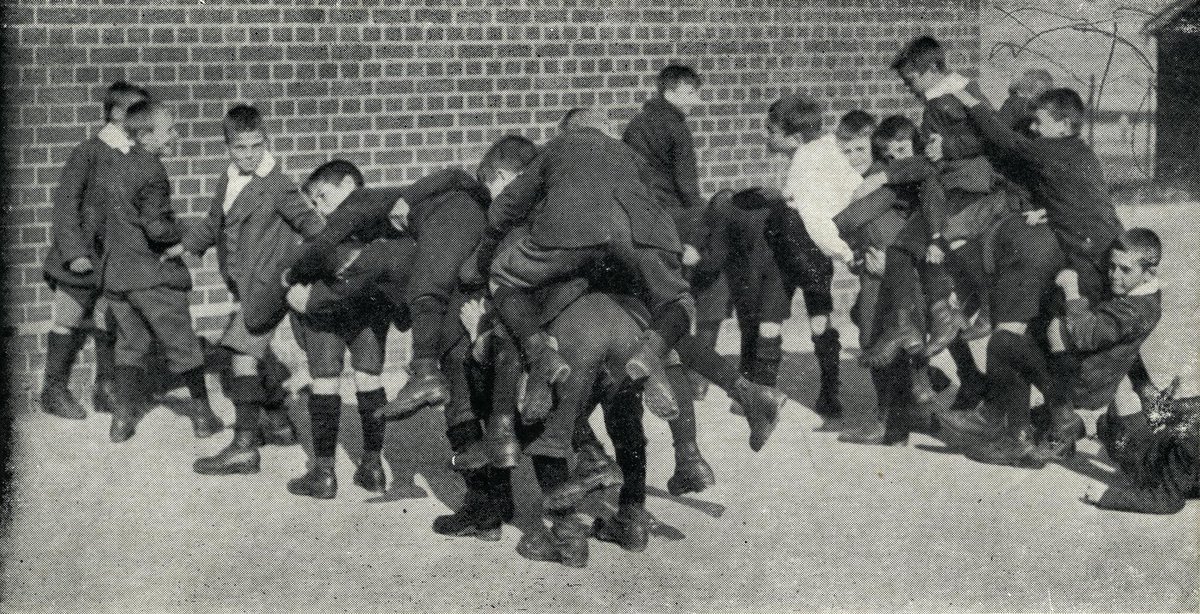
1034,82
581,117
122,95
920,55
1142,241
673,75
896,128
796,114
334,172
511,153
242,118
1062,103
855,124
139,118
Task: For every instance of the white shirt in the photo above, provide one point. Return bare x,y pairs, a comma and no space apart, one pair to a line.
238,181
949,84
820,182
115,137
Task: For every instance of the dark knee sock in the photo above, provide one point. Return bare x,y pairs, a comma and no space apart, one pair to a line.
767,356
683,428
707,362
248,396
632,460
273,374
1008,389
373,429
105,343
325,412
517,311
500,486
672,324
964,360
194,380
61,351
749,347
1139,376
551,472
937,282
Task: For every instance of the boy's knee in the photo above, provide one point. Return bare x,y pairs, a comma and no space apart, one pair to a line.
769,330
366,382
817,325
1016,328
325,385
244,365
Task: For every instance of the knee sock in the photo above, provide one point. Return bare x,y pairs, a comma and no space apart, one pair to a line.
1139,376
273,374
105,343
373,429
828,347
247,394
632,460
325,412
673,324
695,355
749,347
964,361
1008,389
61,350
683,428
767,356
517,311
500,490
194,380
551,472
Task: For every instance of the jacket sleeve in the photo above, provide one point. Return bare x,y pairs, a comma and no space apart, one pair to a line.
910,170
202,236
440,182
68,205
863,211
686,175
1007,141
514,204
297,212
154,211
714,249
448,237
318,255
1109,324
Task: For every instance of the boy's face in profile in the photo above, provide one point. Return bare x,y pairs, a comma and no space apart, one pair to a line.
778,142
327,195
161,140
899,149
1126,271
858,151
685,96
247,149
920,82
1048,127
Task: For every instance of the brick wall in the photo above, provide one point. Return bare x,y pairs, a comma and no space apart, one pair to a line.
405,88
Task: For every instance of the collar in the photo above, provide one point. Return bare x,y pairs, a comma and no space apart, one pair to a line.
115,137
265,166
948,85
662,105
1146,288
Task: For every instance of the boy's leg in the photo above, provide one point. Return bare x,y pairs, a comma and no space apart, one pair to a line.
325,347
630,527
132,346
892,327
367,353
72,306
658,278
712,308
1012,358
566,542
104,341
692,472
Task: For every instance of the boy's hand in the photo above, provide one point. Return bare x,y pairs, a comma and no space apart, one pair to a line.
1068,280
81,265
175,251
297,297
934,254
966,98
691,257
1035,217
869,184
875,260
933,149
470,314
398,217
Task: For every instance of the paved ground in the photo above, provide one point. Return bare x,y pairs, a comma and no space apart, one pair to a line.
807,524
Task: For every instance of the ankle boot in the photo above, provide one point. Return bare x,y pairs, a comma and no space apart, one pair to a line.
240,456
547,369
476,518
875,433
828,348
594,470
1066,427
922,388
205,423
970,392
427,386
761,405
565,543
369,475
320,482
629,528
501,439
905,336
982,422
276,426
946,321
128,403
692,472
1015,449
646,367
102,396
57,399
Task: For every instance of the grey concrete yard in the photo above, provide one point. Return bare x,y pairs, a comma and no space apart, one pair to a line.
807,524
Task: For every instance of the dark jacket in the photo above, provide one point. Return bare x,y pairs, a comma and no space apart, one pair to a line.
77,223
1067,181
1106,338
587,190
660,133
139,226
875,220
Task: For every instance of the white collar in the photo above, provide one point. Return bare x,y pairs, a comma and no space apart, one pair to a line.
115,137
948,85
1145,288
265,166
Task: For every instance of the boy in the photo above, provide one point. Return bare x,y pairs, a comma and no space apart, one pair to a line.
143,277
257,215
75,251
1093,346
825,171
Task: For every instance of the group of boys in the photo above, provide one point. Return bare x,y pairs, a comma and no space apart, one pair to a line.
1005,218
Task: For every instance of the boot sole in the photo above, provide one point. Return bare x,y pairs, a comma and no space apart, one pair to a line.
236,470
315,495
81,416
381,489
487,535
688,485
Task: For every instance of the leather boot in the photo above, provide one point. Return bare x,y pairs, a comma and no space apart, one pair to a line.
476,518
1066,427
946,321
874,433
128,403
982,422
692,472
922,388
205,423
970,393
646,367
369,475
594,470
102,394
427,386
629,528
276,427
474,456
1016,449
762,405
57,399
828,349
239,457
501,439
547,369
905,336
565,543
320,482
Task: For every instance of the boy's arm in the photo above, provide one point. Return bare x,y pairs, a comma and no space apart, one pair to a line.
863,211
915,169
1088,329
1008,141
318,256
67,216
202,236
810,194
440,182
448,236
154,210
686,175
513,205
298,213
